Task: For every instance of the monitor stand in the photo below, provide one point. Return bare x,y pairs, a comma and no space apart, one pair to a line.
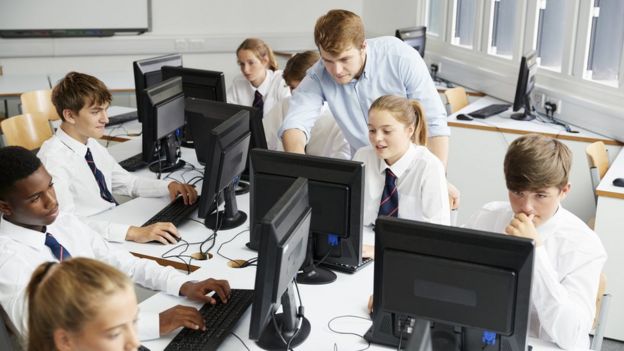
229,218
284,326
171,161
312,274
527,115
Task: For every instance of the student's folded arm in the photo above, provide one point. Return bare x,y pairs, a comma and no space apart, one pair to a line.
565,308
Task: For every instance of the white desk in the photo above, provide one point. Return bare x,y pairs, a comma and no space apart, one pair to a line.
477,150
609,224
348,295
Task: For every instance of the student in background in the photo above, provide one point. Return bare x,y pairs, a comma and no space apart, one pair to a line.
260,83
33,230
326,138
81,304
403,178
86,175
568,254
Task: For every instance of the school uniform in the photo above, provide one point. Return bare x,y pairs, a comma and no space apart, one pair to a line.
23,249
421,185
77,188
326,138
273,89
566,273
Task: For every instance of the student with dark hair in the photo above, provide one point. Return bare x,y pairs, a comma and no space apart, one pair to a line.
86,175
81,304
33,230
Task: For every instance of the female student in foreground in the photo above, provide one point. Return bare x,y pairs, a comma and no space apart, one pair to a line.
81,304
403,178
260,83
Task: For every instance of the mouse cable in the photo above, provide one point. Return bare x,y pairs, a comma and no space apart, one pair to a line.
241,340
346,332
247,263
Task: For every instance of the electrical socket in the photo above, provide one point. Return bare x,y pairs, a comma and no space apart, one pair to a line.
557,102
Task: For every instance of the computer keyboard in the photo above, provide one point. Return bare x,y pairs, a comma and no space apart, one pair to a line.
490,110
133,163
220,319
122,118
347,268
175,212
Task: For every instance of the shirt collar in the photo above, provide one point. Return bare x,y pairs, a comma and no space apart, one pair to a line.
400,167
20,234
366,73
263,88
73,144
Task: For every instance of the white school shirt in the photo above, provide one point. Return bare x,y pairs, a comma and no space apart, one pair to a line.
22,250
77,190
566,274
273,90
326,138
421,183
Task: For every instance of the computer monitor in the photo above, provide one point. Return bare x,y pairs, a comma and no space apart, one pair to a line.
285,229
526,82
147,73
415,37
164,115
467,283
224,147
336,197
218,111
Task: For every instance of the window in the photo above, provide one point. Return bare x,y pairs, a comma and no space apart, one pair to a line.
502,22
435,18
464,24
604,54
551,25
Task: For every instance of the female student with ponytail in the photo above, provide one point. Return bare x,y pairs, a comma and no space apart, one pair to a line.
81,304
403,178
260,83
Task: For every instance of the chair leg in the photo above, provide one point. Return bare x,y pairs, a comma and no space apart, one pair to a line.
601,324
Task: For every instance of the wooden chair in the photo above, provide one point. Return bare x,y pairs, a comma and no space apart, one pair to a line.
456,98
600,320
39,101
598,160
27,130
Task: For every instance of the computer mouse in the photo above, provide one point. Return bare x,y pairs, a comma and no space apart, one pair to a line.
463,117
618,182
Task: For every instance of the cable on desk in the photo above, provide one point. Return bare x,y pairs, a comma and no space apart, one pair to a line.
250,262
348,333
185,244
241,340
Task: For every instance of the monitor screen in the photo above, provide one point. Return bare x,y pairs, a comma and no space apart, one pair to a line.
198,83
524,87
336,197
147,73
164,114
462,278
225,148
415,37
215,112
282,250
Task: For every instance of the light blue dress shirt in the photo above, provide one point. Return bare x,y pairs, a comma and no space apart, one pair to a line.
392,68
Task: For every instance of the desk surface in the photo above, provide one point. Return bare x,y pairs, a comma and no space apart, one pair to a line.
15,85
616,170
504,124
348,295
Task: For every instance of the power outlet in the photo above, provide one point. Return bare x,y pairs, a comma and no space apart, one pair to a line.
557,103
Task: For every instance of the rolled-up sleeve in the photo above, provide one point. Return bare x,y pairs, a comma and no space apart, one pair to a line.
304,107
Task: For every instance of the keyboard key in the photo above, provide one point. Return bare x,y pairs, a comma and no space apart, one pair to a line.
175,212
133,163
489,110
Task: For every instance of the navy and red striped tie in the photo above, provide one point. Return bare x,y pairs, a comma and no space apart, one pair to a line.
57,249
99,178
258,102
389,205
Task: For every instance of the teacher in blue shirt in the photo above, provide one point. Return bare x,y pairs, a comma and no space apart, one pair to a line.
351,74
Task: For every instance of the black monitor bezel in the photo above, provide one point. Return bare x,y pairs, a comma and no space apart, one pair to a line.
418,33
142,68
526,80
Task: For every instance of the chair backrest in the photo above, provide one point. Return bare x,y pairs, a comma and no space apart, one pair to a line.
598,160
39,101
27,130
457,98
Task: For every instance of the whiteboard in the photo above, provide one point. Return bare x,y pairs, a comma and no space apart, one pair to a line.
118,15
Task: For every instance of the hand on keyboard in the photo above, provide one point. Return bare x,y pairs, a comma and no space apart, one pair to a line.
163,232
187,191
180,316
198,290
